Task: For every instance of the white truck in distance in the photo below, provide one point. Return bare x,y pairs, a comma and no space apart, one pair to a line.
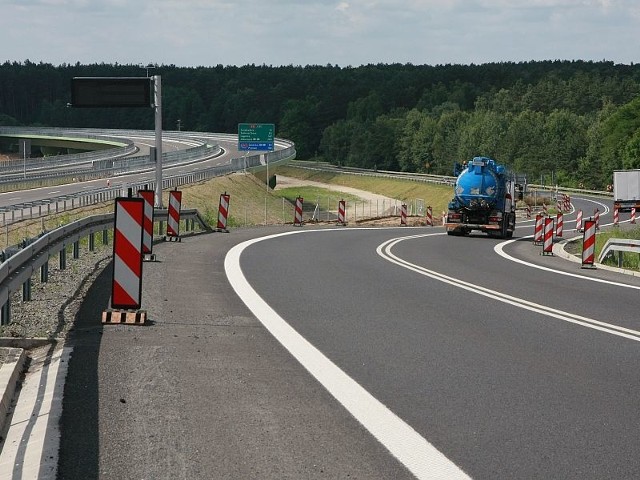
626,190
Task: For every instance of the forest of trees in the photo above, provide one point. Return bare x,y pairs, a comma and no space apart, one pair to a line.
576,121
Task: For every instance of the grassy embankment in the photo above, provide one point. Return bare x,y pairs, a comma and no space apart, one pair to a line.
630,261
434,195
250,203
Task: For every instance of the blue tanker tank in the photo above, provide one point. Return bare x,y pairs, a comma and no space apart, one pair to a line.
480,185
483,199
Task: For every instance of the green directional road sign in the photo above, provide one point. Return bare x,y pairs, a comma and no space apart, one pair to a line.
256,136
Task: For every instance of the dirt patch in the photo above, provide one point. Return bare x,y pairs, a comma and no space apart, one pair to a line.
389,218
6,157
287,182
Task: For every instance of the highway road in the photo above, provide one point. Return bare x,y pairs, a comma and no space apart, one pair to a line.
360,353
143,141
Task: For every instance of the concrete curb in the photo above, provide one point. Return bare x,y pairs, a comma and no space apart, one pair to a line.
559,250
27,343
10,372
12,368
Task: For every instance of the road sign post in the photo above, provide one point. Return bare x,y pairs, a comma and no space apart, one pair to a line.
124,92
257,137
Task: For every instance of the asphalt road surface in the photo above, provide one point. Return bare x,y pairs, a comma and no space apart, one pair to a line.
499,368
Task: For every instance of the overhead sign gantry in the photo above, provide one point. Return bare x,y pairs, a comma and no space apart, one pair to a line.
109,92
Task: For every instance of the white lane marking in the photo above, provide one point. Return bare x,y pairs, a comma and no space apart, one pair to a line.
408,446
384,250
499,249
33,439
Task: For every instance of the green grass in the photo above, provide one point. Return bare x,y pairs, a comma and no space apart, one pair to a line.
315,194
434,195
251,203
630,261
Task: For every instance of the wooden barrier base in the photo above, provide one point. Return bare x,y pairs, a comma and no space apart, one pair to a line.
149,257
221,230
172,239
128,317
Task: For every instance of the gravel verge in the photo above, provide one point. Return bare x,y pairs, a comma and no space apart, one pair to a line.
53,306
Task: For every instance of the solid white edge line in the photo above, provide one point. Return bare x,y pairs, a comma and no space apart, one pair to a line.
499,249
419,456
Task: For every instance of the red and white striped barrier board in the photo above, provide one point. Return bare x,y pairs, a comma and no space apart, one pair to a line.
403,214
147,226
567,203
223,211
616,216
297,218
545,211
537,232
173,219
579,221
528,211
596,217
429,218
589,244
633,215
342,212
127,254
547,246
559,224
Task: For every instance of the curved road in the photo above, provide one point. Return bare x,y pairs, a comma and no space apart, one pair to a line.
228,143
457,356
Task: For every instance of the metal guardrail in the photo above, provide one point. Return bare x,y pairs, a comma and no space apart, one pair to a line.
17,270
33,164
97,164
30,210
580,191
619,245
19,263
427,177
418,177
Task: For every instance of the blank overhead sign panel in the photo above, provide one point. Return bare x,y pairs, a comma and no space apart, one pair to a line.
256,136
111,92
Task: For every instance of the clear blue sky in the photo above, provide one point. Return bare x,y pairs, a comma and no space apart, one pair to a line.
317,32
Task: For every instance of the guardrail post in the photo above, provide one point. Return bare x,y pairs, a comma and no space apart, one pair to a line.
26,290
63,258
44,272
5,313
76,249
105,237
92,242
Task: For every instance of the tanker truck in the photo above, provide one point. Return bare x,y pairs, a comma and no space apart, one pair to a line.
484,199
